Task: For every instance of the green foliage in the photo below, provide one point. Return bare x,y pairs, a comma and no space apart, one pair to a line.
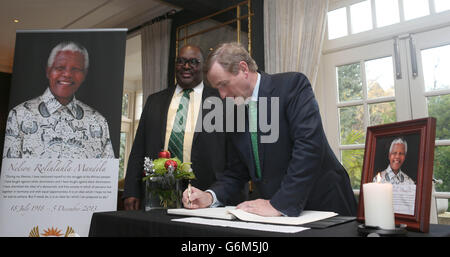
353,159
439,107
442,167
159,167
184,175
122,155
125,105
351,123
382,113
183,170
349,81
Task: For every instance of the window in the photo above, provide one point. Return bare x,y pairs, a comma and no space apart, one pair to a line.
125,104
123,144
131,100
441,5
415,8
433,80
366,97
387,12
435,68
395,71
337,23
359,16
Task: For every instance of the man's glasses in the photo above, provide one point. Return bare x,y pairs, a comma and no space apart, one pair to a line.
193,62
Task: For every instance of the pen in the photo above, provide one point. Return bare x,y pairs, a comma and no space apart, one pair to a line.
189,195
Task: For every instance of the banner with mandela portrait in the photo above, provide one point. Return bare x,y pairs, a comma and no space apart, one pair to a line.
60,157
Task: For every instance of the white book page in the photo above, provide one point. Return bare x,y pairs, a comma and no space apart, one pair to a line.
231,213
305,217
242,225
217,213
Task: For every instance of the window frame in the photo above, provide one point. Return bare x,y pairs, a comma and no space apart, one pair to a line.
429,22
129,124
350,46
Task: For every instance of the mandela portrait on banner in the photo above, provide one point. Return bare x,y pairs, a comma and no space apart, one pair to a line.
57,124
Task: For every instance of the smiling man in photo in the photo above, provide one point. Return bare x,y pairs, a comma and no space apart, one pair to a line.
393,173
56,124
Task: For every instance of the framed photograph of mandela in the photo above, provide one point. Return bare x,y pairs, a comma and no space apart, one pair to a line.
402,154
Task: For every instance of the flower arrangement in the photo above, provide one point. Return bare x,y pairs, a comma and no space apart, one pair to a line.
163,177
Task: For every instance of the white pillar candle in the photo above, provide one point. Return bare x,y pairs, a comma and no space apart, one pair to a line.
378,207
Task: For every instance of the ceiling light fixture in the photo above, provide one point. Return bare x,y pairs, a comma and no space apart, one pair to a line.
16,20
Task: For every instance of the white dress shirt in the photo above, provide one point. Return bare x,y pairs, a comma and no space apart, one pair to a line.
195,99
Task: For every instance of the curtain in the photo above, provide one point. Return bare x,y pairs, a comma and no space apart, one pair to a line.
155,39
293,35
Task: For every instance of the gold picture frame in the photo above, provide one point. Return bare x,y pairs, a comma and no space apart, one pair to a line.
198,29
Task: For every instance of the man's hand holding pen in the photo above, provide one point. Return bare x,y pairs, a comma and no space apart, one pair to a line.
194,198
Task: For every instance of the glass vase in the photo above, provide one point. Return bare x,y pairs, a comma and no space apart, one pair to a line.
163,192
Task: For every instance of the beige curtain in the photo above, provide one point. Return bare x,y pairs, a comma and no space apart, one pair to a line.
293,35
155,39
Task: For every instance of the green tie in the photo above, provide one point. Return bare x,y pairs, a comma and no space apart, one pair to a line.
177,136
253,117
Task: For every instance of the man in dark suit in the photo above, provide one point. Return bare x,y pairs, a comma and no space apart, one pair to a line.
205,150
298,170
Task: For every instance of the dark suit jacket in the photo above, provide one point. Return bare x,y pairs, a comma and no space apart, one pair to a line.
208,149
299,170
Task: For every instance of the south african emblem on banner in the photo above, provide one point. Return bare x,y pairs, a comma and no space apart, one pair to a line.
52,232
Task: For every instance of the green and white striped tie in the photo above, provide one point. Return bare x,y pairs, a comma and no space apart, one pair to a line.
177,136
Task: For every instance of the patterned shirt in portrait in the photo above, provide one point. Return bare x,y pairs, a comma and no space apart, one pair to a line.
44,128
388,176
